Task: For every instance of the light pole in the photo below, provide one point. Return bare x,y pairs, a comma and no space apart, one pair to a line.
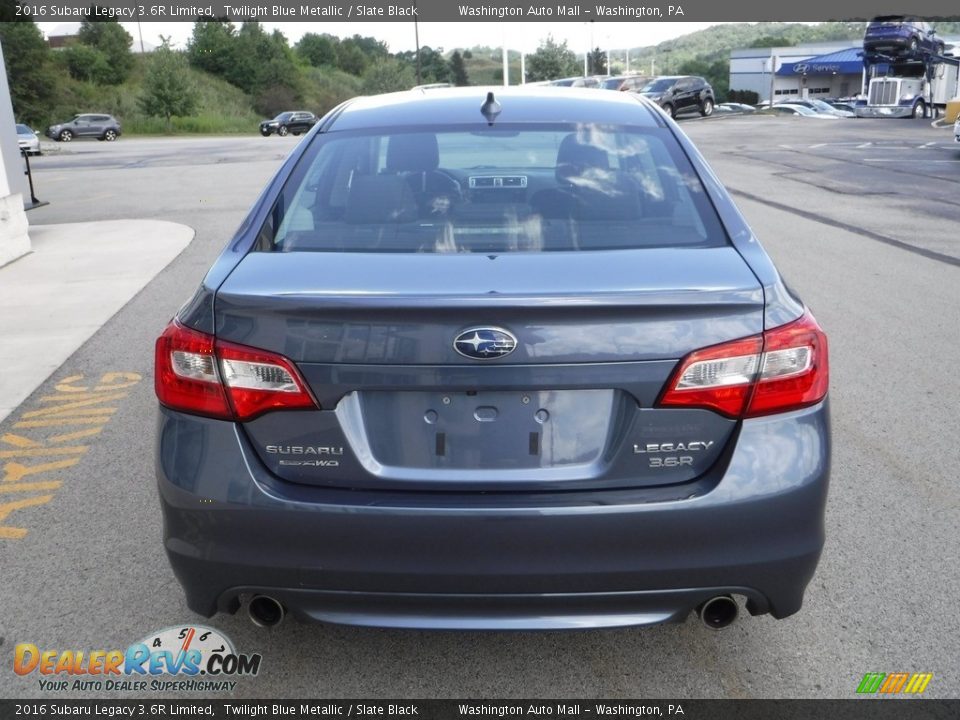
416,40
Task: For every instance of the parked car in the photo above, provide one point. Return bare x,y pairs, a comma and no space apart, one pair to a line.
473,369
27,140
901,35
89,125
579,82
736,107
790,109
625,83
819,106
679,94
846,107
296,122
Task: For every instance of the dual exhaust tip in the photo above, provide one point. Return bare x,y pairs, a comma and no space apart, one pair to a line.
266,611
719,612
716,613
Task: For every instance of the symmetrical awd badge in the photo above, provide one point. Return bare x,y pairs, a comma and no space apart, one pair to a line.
485,343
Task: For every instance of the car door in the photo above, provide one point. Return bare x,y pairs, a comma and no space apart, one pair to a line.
682,94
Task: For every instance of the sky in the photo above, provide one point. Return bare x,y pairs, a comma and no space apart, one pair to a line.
399,36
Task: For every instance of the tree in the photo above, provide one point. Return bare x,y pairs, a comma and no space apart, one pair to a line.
551,60
318,50
109,37
87,64
167,90
211,47
32,79
459,69
597,62
388,75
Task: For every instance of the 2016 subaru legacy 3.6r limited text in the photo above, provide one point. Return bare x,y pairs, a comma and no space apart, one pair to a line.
479,361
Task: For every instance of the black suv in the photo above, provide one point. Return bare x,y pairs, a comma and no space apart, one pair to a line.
101,127
678,94
292,121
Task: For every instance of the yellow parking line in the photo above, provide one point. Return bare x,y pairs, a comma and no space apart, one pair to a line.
75,435
40,452
14,472
57,423
20,441
29,486
72,404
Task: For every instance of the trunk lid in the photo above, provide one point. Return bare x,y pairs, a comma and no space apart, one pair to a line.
597,336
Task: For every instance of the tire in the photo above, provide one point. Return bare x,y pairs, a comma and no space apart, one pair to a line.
670,110
940,49
110,135
283,131
919,110
912,49
706,108
265,133
65,136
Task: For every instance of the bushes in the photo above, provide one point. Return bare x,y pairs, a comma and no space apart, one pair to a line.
743,96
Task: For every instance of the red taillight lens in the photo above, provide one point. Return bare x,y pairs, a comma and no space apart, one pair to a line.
185,376
784,369
258,381
199,375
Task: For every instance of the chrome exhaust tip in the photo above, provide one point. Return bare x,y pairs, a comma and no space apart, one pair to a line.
266,611
719,612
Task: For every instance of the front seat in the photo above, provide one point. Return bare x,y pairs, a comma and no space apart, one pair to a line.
416,158
587,187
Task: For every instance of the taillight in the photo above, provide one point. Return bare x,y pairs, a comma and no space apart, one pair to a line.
784,369
200,375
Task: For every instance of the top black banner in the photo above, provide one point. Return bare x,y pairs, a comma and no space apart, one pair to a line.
484,10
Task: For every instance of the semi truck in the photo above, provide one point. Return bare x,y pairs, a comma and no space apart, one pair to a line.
908,89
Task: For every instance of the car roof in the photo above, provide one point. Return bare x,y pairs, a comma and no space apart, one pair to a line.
517,105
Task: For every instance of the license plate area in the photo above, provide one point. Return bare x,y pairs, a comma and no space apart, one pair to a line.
488,430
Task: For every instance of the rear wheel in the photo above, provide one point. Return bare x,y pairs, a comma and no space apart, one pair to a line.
282,131
706,108
66,136
110,135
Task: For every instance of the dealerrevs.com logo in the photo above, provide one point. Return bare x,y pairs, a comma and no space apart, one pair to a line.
185,658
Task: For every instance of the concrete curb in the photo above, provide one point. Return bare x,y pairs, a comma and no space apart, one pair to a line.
75,279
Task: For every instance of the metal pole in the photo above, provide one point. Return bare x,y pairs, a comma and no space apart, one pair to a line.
416,40
506,65
523,68
628,60
140,32
773,75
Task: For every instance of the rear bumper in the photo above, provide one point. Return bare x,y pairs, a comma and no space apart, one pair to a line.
495,561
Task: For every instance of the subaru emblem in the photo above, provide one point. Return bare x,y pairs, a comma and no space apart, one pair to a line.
485,343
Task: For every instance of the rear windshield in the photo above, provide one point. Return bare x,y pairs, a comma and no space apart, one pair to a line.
521,188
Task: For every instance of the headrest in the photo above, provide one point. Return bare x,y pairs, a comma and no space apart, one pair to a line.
380,199
413,153
576,156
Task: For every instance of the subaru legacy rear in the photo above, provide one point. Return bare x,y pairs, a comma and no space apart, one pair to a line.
504,359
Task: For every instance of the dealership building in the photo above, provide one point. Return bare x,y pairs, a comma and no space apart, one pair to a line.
832,69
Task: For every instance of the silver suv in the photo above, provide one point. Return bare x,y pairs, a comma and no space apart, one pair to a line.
101,127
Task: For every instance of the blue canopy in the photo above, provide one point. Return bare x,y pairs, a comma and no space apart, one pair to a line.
842,62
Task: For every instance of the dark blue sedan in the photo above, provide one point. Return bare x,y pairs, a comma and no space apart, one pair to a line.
494,359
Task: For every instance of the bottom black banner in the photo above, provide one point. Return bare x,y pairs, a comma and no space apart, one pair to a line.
863,709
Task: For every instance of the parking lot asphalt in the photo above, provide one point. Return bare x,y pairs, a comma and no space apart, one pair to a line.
861,218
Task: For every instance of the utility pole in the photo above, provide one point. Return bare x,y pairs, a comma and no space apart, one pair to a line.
506,65
773,75
416,40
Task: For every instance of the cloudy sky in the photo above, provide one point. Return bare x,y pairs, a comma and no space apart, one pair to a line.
399,36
